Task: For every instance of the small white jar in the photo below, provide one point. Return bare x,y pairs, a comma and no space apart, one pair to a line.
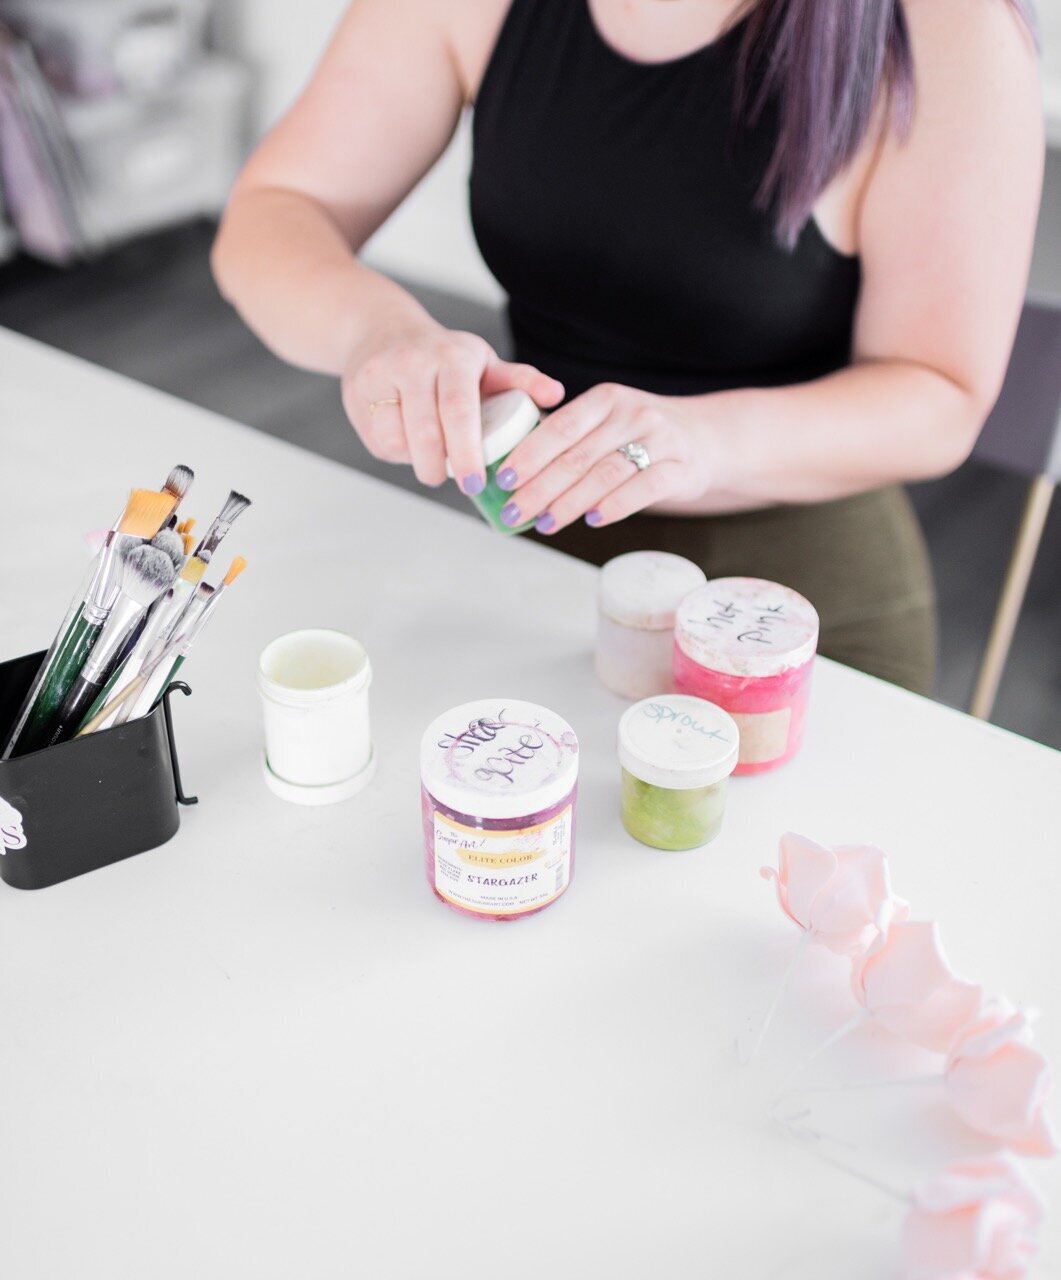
637,601
314,692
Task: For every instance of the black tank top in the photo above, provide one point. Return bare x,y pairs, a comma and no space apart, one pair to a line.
614,202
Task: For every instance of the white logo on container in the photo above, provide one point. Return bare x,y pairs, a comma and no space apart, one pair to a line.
11,834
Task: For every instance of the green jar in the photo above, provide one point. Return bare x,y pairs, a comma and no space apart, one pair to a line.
676,753
508,419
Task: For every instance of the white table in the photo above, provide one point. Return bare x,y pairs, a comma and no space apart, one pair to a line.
265,1050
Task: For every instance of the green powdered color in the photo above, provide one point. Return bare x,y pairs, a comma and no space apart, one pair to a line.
667,819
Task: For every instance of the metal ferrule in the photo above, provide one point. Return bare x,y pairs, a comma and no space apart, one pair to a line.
123,617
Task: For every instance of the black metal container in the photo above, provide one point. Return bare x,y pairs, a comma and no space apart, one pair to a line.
88,802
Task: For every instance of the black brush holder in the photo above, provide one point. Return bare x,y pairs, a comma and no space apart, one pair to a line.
88,802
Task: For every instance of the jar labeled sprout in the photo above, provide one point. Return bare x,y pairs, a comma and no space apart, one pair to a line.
498,781
507,419
638,595
748,646
676,754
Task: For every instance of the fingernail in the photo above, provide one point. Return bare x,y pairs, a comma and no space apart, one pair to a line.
507,479
510,513
545,523
593,517
473,484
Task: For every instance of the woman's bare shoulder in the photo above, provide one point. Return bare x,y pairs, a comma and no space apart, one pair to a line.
982,46
473,27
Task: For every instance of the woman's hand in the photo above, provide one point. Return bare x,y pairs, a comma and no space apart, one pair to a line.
413,396
571,466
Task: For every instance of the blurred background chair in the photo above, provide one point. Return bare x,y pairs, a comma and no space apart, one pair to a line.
1023,434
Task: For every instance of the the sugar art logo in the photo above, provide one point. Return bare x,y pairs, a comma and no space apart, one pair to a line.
11,834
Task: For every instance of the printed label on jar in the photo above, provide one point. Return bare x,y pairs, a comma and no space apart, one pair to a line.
503,873
763,735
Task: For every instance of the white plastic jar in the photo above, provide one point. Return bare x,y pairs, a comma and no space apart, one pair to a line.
314,692
637,601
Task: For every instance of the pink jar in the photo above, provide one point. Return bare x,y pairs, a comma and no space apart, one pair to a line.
498,786
748,646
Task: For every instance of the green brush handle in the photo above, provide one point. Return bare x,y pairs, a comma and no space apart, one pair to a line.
69,659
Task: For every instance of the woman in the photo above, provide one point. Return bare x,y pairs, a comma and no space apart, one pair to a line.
780,246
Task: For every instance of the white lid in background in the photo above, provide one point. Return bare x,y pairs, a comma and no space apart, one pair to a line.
747,627
643,589
678,742
499,758
507,419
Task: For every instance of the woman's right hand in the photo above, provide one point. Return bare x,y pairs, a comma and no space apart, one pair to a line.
413,396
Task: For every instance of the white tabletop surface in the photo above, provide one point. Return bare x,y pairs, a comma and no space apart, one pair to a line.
265,1050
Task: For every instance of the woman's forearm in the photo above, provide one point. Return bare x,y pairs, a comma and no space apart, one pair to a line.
869,425
285,266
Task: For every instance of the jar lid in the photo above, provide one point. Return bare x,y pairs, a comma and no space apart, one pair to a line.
507,418
747,627
643,589
499,758
678,742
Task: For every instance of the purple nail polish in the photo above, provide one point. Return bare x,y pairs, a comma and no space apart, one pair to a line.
510,513
593,517
545,523
507,479
473,484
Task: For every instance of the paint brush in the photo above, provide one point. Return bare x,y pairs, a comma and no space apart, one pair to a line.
235,505
142,518
156,685
146,573
171,542
117,707
178,482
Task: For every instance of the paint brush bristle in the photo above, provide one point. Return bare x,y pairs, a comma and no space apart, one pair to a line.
146,513
187,542
186,526
179,481
193,570
146,573
172,544
234,570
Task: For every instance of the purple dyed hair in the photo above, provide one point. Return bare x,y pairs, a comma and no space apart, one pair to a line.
826,62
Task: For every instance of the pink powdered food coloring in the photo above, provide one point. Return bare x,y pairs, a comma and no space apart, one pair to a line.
748,646
498,790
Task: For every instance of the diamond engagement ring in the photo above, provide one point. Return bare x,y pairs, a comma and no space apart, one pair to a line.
637,454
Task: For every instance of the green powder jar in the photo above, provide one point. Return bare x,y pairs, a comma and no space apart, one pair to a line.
677,753
507,419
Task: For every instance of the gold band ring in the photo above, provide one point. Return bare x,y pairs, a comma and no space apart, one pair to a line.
373,405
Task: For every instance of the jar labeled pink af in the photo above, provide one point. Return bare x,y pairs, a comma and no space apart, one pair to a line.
498,784
748,646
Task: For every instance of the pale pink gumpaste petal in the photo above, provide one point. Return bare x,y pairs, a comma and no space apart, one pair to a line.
805,869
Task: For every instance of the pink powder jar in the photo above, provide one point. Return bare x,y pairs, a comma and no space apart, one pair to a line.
748,646
498,784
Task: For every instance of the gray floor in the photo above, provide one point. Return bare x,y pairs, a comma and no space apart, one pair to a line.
151,311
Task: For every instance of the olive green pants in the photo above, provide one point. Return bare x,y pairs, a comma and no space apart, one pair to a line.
860,561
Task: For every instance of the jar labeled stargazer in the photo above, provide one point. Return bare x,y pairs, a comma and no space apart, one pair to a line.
676,753
748,646
498,785
636,602
507,419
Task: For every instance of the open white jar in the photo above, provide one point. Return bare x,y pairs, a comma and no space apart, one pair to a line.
314,692
637,601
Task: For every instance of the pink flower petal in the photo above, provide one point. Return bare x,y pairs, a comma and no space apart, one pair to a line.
1002,1093
904,980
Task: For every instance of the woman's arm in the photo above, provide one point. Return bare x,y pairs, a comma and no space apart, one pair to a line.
377,113
946,229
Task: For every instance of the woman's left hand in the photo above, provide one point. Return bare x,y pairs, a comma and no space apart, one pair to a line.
572,465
